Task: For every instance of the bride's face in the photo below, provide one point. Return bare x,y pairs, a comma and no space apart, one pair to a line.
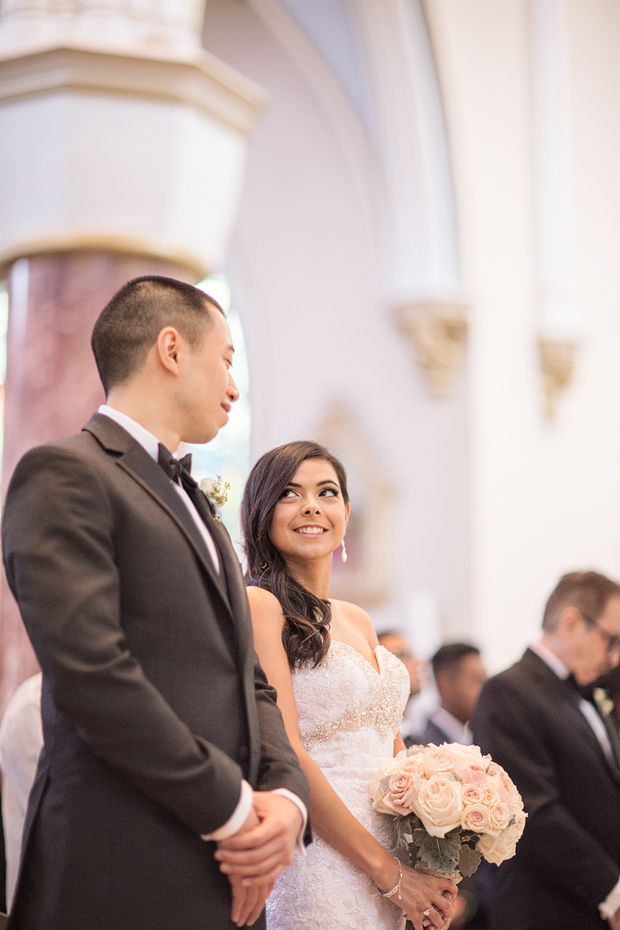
310,518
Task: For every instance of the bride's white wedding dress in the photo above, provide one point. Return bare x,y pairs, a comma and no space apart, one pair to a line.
348,718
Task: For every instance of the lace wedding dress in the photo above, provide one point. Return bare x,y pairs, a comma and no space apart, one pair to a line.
348,718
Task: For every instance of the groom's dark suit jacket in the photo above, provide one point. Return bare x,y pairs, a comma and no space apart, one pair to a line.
154,705
568,859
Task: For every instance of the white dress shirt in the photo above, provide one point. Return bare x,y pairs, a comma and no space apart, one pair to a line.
150,444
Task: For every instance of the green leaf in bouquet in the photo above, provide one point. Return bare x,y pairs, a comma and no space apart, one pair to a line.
404,829
415,749
440,854
384,785
469,860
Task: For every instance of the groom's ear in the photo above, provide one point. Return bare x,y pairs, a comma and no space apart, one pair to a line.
166,350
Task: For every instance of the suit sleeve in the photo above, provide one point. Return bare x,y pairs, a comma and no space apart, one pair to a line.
59,556
510,725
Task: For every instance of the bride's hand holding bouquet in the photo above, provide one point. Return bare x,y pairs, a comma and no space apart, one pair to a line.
454,806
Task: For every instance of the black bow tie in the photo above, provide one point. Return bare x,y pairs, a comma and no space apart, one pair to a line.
179,470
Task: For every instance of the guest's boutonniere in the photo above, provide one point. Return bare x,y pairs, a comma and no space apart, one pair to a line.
603,701
216,493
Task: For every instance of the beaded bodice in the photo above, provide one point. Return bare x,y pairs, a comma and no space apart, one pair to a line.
345,694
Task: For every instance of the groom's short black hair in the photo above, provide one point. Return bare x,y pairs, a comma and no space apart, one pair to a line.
587,591
130,323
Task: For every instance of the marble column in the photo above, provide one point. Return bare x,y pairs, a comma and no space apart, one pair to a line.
125,155
52,385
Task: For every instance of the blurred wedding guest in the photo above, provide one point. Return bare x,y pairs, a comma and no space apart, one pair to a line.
459,676
396,642
21,740
540,721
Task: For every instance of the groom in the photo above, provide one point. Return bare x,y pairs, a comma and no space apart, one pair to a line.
165,753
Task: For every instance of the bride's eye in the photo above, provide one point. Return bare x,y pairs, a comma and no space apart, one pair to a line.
287,492
329,492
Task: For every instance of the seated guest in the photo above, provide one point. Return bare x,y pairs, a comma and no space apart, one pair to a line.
459,676
539,722
396,642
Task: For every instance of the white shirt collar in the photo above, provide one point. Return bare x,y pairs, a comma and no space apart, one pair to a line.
457,731
147,440
549,658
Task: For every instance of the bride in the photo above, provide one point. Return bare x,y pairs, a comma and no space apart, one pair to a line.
341,695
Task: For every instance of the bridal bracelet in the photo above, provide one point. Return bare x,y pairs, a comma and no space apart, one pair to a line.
396,890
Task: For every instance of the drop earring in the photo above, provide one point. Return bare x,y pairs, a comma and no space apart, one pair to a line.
343,554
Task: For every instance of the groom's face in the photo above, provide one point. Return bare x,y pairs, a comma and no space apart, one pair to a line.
596,643
207,389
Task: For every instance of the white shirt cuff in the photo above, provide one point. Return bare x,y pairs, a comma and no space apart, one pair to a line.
303,810
238,816
611,903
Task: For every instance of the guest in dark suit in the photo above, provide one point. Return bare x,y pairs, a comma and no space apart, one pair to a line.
562,752
459,675
163,741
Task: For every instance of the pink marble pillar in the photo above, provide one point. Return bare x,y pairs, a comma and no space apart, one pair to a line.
52,385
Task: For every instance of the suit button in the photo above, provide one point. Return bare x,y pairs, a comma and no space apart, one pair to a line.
242,753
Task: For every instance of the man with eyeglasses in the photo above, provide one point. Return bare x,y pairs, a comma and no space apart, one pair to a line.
540,720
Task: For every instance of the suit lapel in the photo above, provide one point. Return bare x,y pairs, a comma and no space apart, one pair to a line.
136,462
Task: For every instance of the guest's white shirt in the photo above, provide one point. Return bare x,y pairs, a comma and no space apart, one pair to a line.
21,740
150,444
456,731
612,902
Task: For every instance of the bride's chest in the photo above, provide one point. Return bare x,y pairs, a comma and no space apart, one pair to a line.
346,694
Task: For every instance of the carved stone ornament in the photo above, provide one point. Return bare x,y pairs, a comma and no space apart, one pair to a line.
557,363
437,334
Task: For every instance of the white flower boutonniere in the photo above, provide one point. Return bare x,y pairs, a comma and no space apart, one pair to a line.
216,492
603,701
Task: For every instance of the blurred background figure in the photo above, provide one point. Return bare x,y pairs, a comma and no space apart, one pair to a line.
396,642
21,741
459,676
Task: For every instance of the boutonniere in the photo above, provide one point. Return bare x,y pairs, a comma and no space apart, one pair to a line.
216,493
603,701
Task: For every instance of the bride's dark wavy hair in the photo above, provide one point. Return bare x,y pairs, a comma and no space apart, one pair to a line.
305,634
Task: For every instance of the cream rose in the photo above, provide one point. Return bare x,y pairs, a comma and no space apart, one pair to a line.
499,848
475,817
499,817
472,794
438,804
437,759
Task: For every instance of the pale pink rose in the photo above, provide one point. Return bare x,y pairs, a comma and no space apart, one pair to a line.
475,817
437,759
438,804
403,788
514,798
501,788
473,774
471,794
499,817
499,848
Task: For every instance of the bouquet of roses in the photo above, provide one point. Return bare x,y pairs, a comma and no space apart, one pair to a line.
453,805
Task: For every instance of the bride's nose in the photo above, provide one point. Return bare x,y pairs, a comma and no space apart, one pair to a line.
311,507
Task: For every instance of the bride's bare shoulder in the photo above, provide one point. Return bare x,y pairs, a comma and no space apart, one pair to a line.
264,604
358,618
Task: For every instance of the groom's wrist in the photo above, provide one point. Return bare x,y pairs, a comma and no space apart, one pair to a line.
237,818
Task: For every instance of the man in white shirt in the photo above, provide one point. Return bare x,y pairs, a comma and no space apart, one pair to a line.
537,720
167,794
459,676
